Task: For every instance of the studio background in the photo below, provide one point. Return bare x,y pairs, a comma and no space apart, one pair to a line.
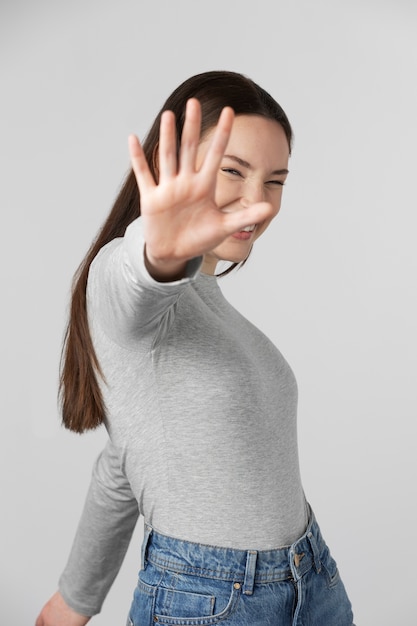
332,282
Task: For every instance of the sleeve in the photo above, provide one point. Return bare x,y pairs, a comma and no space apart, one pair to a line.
104,532
123,298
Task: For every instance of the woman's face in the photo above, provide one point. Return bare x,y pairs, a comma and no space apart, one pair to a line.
253,169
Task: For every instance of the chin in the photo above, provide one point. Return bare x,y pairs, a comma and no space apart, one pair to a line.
232,258
232,255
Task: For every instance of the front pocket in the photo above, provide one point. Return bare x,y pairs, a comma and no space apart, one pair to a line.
330,568
183,603
184,608
141,611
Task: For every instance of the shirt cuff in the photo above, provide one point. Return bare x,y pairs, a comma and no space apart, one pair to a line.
134,243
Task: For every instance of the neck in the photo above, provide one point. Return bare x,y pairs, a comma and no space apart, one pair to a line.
209,265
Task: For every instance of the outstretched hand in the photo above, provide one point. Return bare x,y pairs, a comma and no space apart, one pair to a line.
181,219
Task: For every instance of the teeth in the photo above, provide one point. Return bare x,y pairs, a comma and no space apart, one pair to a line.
249,229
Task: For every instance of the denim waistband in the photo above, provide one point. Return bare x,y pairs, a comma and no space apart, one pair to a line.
245,567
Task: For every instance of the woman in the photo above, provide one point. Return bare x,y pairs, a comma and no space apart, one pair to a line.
199,405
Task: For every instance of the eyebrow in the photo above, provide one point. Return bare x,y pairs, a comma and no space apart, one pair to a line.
249,166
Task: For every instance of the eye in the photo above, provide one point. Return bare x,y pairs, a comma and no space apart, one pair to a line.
231,171
280,183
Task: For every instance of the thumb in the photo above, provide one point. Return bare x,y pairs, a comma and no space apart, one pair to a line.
255,214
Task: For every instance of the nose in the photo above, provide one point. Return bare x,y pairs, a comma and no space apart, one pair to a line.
252,193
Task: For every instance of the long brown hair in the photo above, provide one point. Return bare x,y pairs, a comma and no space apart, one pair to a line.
81,398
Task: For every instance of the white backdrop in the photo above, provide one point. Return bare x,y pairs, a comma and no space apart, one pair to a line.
332,282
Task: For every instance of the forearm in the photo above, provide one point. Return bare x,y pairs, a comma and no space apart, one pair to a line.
103,535
95,559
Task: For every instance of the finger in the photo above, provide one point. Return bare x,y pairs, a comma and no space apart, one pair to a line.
255,214
167,150
140,165
190,135
218,141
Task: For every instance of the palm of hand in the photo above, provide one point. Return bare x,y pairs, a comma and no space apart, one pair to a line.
181,219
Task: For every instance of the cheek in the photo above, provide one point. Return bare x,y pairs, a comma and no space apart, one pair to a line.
262,228
275,199
226,191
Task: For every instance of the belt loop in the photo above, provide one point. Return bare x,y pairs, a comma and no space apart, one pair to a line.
315,550
145,543
250,571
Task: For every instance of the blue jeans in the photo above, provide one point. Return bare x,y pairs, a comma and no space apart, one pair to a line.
189,584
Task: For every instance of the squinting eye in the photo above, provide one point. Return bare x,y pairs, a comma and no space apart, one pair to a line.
275,182
230,170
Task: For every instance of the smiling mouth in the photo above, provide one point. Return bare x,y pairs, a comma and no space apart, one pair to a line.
246,233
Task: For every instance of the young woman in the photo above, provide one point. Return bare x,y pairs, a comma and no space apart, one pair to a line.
199,405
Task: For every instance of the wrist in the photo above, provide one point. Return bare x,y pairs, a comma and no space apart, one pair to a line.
164,270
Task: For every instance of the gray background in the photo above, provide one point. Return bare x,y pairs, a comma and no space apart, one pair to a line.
332,282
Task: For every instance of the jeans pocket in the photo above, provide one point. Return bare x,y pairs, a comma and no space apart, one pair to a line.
183,603
175,607
330,568
141,611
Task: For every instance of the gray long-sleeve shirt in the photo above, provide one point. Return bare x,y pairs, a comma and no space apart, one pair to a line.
201,414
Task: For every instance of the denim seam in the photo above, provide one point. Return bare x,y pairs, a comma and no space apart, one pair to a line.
196,571
212,619
219,574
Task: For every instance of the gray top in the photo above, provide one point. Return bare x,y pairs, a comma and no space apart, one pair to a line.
201,415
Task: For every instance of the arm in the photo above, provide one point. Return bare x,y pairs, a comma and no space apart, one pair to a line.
135,280
56,612
104,532
122,296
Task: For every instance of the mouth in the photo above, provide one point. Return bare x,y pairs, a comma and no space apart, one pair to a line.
245,233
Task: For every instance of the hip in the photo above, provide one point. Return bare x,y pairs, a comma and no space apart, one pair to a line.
184,583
